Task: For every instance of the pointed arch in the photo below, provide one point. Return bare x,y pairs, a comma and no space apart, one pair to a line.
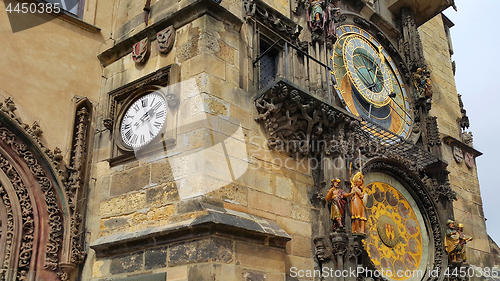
38,196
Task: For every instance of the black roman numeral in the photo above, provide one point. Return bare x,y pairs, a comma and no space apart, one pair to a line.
128,134
157,105
143,139
151,134
160,114
136,107
144,102
127,126
157,125
134,139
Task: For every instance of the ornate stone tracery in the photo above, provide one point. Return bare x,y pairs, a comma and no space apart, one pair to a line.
261,12
35,175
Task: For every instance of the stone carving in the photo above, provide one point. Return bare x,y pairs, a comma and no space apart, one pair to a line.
257,10
75,180
458,154
455,242
422,83
5,264
469,160
26,248
140,51
433,138
165,39
338,203
322,16
409,41
55,216
320,249
439,192
108,124
301,125
468,139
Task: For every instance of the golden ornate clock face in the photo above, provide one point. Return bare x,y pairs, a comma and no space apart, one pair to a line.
366,76
396,232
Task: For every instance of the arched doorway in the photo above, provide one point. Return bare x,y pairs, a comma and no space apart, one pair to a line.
39,222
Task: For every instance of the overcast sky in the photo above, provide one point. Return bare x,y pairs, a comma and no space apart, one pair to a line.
476,43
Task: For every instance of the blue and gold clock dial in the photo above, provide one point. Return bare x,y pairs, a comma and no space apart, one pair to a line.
367,69
366,77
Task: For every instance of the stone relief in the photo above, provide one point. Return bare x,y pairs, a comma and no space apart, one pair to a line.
165,39
140,51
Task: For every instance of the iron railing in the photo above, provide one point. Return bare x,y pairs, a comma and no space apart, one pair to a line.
301,69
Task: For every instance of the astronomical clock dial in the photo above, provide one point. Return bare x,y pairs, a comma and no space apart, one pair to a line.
143,120
396,238
369,82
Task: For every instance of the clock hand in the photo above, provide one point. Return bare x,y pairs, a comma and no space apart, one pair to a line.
144,117
366,66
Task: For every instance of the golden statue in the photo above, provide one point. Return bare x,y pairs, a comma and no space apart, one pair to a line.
358,217
455,242
337,196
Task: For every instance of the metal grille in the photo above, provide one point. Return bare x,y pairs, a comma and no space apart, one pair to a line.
267,69
397,144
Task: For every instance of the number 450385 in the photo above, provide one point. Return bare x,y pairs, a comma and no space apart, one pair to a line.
33,8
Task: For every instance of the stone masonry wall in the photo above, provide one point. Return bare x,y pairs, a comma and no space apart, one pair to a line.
468,208
221,153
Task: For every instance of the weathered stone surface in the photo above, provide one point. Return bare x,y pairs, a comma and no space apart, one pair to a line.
210,272
162,194
251,275
143,277
232,193
129,180
127,263
161,172
206,250
259,257
269,203
156,258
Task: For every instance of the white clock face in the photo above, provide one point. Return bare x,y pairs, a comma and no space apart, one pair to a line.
143,120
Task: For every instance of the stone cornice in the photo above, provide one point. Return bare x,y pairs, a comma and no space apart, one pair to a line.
177,19
451,141
215,221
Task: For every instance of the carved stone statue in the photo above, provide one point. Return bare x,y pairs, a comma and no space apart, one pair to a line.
337,198
321,15
455,242
463,241
358,217
422,82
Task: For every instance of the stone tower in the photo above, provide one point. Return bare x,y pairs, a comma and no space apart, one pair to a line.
204,139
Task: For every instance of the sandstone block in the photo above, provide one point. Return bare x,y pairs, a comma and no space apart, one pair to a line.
129,180
269,203
260,257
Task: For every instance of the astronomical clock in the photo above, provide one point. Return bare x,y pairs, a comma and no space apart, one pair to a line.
397,231
369,82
